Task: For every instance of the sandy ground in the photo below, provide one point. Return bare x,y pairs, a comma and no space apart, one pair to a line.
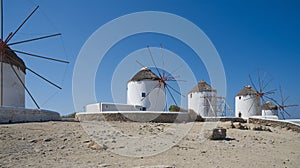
126,144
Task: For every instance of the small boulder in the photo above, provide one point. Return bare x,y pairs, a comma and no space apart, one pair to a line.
218,134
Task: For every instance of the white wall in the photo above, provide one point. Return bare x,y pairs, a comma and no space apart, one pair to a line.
20,114
120,107
155,101
13,90
93,107
102,107
247,105
197,102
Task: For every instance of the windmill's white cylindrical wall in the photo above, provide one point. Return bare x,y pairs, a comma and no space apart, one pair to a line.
202,100
202,103
146,89
13,91
150,94
247,103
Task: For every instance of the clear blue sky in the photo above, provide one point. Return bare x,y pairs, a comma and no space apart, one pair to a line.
248,35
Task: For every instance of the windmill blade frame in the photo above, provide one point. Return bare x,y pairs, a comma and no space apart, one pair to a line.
9,56
45,79
21,25
154,61
163,77
176,91
40,76
172,96
43,57
34,39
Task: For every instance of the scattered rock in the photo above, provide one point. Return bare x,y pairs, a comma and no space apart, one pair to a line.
22,138
62,147
86,141
261,128
33,141
37,150
238,125
218,134
228,124
176,146
48,139
104,165
95,146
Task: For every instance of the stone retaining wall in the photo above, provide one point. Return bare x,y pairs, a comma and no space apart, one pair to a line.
276,123
135,117
224,119
164,117
17,115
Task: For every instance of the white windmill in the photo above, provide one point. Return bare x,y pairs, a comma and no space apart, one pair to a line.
269,110
249,100
202,100
145,89
148,89
281,105
247,103
13,68
12,78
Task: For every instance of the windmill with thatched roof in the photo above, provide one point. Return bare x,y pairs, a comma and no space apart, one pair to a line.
146,89
13,68
202,99
247,103
269,109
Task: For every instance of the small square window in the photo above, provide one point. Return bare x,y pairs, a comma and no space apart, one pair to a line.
143,94
144,108
240,98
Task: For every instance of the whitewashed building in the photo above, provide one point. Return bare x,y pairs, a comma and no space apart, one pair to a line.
147,90
269,110
247,103
103,107
13,91
202,100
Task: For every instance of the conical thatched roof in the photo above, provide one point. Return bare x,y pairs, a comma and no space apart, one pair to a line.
13,59
247,90
269,106
202,86
144,74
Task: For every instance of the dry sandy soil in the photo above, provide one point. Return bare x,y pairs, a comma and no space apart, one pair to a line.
127,144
